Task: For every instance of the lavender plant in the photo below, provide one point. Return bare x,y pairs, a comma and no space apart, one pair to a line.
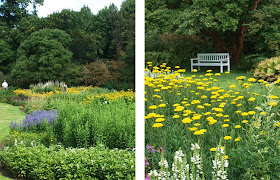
36,121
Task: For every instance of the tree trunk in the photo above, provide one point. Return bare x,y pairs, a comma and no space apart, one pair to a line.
220,43
238,39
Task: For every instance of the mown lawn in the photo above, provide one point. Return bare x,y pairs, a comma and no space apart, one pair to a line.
8,113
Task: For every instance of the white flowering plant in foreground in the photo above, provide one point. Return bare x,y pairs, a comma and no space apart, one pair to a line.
181,170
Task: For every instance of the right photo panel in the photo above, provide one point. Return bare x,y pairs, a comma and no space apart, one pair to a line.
212,74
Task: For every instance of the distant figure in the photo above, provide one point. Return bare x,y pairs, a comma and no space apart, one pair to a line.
64,87
5,85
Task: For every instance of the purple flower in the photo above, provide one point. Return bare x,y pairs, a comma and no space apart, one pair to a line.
36,118
160,149
151,148
147,177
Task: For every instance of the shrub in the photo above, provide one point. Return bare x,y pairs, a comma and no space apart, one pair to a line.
268,69
43,56
39,162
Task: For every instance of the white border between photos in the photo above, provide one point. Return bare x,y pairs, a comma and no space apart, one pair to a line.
140,88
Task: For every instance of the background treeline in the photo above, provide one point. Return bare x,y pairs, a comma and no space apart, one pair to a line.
176,30
79,48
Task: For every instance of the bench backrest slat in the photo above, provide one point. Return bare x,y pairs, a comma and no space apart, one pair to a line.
212,56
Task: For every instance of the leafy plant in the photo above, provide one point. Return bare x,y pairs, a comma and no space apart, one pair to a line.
268,69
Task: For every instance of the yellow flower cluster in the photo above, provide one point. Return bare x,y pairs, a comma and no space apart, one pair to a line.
198,101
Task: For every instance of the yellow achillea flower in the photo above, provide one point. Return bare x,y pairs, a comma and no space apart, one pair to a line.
273,103
227,72
232,86
200,107
160,119
153,107
274,97
213,149
193,129
197,117
227,138
237,126
203,97
176,116
262,113
225,125
197,124
157,125
176,105
244,114
252,80
251,112
225,157
186,120
237,139
194,70
156,90
251,99
226,120
198,132
161,105
244,121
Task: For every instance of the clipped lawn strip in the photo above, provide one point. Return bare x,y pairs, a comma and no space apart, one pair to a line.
8,113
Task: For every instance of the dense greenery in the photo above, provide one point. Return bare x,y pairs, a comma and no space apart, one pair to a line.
55,162
63,126
85,38
184,28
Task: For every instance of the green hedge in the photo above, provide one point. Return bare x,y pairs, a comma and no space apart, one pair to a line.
40,162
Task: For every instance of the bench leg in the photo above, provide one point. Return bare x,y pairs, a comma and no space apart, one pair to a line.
191,68
198,68
228,68
221,69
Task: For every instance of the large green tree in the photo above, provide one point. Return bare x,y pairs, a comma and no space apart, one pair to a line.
42,56
11,11
227,22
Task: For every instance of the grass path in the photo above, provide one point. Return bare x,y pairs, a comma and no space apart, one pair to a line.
8,113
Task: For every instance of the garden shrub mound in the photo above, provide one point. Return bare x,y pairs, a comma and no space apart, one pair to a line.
269,69
55,162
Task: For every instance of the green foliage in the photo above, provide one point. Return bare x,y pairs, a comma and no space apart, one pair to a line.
6,57
110,124
11,12
175,49
39,162
42,56
268,69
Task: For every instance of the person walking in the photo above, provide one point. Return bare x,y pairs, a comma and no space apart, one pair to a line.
5,85
64,87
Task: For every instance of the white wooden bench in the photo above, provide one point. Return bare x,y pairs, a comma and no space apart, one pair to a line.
211,59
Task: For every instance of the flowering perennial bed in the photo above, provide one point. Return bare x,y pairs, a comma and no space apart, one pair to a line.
241,117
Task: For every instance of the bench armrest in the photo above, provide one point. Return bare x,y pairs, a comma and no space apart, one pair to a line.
194,59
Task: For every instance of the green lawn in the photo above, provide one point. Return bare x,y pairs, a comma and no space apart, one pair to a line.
8,113
224,79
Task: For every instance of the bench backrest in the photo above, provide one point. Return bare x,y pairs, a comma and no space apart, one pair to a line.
212,56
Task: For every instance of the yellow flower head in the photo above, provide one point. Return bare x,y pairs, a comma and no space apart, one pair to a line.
153,107
157,125
227,138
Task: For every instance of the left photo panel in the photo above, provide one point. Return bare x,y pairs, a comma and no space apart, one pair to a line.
67,95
